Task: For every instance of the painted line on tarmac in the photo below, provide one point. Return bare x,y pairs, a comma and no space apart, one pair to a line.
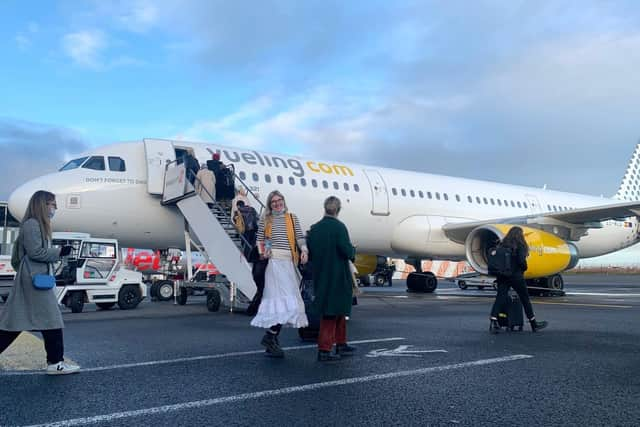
583,305
602,294
276,392
196,358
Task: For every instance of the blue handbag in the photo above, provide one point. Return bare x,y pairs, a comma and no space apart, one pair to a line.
42,282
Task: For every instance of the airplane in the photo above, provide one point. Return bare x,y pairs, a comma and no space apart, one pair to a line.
117,191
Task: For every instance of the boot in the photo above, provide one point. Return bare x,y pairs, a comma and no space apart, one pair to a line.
270,342
345,349
537,325
326,356
494,326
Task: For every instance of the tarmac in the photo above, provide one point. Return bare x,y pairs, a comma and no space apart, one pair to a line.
422,359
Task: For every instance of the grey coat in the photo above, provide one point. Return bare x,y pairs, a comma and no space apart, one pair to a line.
30,309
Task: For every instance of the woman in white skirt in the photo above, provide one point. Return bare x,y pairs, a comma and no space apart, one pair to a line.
280,240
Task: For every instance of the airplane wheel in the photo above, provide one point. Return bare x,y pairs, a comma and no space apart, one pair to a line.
556,282
422,282
165,290
213,300
76,301
462,284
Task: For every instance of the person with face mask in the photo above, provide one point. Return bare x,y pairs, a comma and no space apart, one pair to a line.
29,308
280,240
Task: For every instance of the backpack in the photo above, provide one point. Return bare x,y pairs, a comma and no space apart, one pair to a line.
500,261
238,222
16,254
250,218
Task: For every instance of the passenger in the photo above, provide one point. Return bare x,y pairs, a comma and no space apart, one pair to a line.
520,250
28,308
191,167
240,194
330,251
246,222
215,164
206,185
280,240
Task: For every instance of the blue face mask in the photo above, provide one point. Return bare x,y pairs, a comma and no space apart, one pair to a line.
52,212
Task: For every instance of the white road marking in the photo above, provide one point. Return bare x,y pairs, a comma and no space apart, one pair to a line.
276,392
196,358
401,351
602,294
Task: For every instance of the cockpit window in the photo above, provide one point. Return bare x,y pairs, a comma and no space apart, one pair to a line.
95,163
72,164
116,164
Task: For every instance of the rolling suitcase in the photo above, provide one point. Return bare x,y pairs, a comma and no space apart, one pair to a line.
310,333
510,315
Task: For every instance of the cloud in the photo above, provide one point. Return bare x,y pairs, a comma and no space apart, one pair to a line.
85,48
31,149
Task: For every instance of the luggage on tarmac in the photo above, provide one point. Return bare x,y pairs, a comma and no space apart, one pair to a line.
311,332
510,316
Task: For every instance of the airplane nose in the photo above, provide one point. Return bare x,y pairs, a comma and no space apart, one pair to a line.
20,197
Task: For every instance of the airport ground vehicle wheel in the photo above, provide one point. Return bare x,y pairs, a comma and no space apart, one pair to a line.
213,300
165,290
75,301
105,305
380,279
129,297
462,284
182,296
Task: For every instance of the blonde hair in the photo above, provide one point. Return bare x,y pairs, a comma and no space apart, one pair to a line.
37,209
268,213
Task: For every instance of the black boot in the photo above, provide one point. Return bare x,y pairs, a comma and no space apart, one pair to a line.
537,325
270,342
327,356
494,326
345,349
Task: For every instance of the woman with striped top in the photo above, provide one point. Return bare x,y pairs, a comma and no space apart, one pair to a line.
280,240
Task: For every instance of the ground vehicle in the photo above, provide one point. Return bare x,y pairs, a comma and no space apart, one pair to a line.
6,276
94,273
383,273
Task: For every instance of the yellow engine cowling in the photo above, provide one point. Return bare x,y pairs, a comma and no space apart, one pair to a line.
548,254
366,264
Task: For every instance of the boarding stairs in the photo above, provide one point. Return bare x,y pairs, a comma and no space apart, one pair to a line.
212,232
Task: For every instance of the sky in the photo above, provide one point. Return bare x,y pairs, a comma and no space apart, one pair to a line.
524,92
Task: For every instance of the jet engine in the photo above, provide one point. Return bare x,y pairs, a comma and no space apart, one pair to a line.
367,264
548,254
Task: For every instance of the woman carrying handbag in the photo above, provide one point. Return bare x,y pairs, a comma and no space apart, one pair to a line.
32,304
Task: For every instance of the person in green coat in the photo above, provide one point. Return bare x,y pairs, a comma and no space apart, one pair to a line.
330,251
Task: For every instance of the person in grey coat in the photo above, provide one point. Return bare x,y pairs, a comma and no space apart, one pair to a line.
28,308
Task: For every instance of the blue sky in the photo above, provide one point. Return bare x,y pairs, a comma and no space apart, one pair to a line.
527,92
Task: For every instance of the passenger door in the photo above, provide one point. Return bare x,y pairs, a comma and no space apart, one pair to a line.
379,193
158,152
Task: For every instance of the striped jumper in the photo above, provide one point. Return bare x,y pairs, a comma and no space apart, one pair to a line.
279,238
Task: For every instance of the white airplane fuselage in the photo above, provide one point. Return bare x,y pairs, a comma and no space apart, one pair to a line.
393,212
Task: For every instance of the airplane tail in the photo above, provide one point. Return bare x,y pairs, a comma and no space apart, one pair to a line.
630,186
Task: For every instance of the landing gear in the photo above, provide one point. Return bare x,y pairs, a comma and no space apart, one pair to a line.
546,286
422,282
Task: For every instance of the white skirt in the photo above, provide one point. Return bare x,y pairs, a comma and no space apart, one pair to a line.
281,301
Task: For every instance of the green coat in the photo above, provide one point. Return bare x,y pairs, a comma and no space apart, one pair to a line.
330,251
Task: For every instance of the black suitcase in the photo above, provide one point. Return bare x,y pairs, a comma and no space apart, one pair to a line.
510,315
311,332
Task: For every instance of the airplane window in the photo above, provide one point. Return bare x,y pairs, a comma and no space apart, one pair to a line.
267,177
519,204
116,164
314,183
356,187
292,181
404,193
437,195
478,199
513,205
279,179
346,187
446,197
421,194
548,207
524,204
413,193
336,185
484,199
72,164
254,176
457,197
394,191
243,175
493,202
303,182
499,202
95,163
506,203
325,184
429,194
470,199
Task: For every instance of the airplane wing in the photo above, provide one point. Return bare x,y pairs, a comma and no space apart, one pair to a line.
570,225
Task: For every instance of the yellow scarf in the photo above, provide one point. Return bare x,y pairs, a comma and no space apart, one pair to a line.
291,235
